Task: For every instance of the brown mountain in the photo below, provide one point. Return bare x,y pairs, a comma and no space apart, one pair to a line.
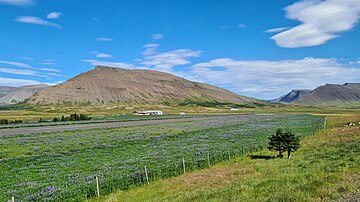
332,93
13,95
106,85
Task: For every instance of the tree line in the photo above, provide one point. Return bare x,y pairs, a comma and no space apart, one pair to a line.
73,117
5,121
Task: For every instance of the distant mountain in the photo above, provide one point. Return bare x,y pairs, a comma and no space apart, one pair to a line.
332,93
4,90
106,85
293,96
326,94
13,95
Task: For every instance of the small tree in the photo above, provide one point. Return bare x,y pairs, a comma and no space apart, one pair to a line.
276,142
291,142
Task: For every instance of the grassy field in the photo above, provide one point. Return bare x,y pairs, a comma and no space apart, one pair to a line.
34,113
62,166
326,168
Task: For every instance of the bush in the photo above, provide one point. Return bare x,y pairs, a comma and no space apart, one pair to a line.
16,121
4,121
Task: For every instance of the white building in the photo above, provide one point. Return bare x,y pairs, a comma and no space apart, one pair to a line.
155,112
148,112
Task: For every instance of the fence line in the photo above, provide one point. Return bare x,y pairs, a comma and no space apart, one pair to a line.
141,178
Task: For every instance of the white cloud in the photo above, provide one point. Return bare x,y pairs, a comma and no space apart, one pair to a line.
54,15
48,62
101,55
151,45
270,79
112,64
275,30
37,21
104,39
27,58
23,65
18,2
157,36
17,82
150,49
321,21
167,60
18,64
19,72
241,26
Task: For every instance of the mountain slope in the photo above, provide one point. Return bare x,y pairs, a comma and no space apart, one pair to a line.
104,85
333,93
13,95
4,90
294,95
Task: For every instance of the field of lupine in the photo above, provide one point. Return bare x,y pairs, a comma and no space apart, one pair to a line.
63,166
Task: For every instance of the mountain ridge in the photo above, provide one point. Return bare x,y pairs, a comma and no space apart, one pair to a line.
325,94
105,85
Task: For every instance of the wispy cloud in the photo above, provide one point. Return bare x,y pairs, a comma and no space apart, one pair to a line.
242,26
101,55
54,15
104,39
18,64
157,36
20,72
276,30
27,58
23,65
17,82
320,21
36,21
270,79
48,62
112,64
167,60
18,2
150,49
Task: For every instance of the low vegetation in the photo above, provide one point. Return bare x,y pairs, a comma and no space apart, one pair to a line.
60,166
325,168
5,121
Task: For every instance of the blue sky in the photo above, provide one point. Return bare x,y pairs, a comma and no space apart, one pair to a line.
261,49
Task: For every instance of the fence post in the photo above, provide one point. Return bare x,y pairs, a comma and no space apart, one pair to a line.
146,174
12,199
229,155
184,165
208,157
97,186
325,122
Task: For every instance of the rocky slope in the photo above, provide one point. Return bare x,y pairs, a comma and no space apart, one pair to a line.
13,95
106,85
332,93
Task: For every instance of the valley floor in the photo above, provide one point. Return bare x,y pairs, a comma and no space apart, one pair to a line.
326,168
